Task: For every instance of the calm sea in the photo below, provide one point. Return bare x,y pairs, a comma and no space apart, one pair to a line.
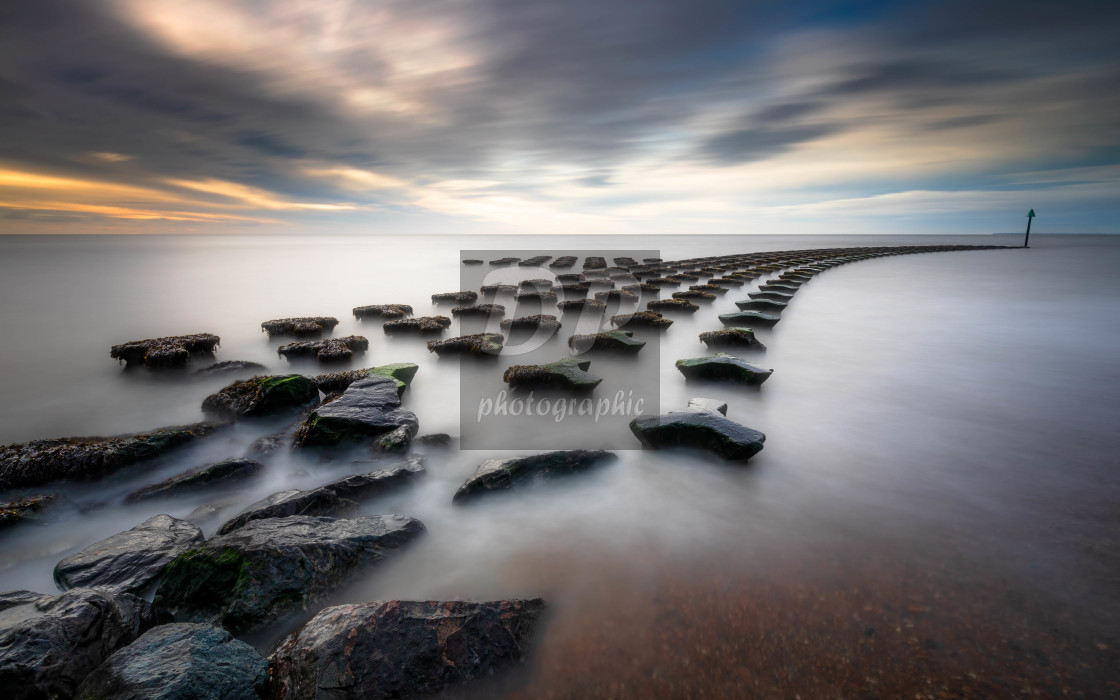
937,505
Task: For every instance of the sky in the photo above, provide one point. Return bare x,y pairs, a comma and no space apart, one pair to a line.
558,116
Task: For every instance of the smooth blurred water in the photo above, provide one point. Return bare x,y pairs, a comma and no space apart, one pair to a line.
950,412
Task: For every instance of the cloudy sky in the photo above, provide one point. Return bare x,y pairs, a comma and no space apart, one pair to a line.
558,116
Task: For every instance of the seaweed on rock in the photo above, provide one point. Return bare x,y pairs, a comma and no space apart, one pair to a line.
383,311
329,350
477,344
303,326
419,324
170,351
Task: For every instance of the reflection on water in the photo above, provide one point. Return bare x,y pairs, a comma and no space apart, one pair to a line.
936,497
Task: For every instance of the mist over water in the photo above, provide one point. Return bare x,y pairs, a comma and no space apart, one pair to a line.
940,425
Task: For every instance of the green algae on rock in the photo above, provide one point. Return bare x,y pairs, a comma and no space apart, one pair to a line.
262,396
401,372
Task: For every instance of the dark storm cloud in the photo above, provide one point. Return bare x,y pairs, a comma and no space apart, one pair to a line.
584,83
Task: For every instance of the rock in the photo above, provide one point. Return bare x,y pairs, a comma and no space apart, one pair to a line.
650,319
723,366
564,261
24,509
734,336
395,442
694,294
747,318
471,261
329,350
788,287
464,297
564,374
505,262
262,396
231,470
180,661
400,372
50,644
477,344
617,341
268,445
491,290
230,367
421,324
777,296
129,561
172,351
618,295
548,297
711,405
307,325
209,512
537,321
502,474
701,429
535,261
402,649
582,304
663,305
276,566
368,408
761,305
487,310
40,461
383,311
336,499
440,440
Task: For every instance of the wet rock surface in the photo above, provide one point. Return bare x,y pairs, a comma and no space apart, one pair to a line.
563,374
402,649
336,499
276,566
209,476
171,351
262,396
368,408
700,429
48,645
180,661
545,321
130,561
723,366
41,461
503,474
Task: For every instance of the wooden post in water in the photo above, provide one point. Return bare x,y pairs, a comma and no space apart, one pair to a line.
1030,215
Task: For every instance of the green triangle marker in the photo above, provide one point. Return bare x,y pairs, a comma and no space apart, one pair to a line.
1030,214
